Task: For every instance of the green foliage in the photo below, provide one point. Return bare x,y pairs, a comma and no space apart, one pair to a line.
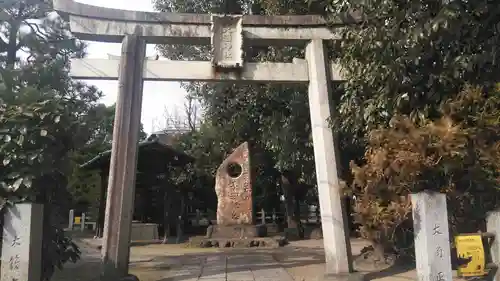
26,118
457,154
406,57
406,64
39,128
40,125
274,119
44,117
84,186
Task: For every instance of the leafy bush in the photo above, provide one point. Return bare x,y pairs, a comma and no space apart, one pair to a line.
39,127
457,154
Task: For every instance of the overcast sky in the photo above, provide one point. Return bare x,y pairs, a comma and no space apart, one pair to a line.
157,95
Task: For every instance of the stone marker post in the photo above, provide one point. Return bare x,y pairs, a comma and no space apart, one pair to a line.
82,222
337,246
493,226
262,216
432,240
122,172
22,243
198,217
71,219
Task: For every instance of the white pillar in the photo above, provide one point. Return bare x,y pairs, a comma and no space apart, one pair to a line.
22,242
333,219
71,219
198,217
493,226
122,172
82,222
432,238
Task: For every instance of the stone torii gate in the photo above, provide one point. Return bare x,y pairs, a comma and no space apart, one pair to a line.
227,34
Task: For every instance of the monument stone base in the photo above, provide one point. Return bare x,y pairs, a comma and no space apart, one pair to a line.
237,236
261,242
236,231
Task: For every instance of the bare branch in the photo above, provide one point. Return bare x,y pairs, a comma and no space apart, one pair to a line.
36,30
181,120
191,112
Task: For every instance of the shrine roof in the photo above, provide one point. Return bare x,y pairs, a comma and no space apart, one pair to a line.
153,156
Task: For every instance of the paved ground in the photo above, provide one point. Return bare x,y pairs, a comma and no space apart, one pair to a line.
229,267
86,269
299,261
175,263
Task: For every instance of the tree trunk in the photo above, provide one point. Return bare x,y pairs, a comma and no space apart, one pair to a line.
289,207
296,213
378,252
166,222
180,220
288,190
99,230
12,47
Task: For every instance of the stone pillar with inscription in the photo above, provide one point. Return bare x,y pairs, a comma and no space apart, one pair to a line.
71,219
432,240
233,186
22,242
82,222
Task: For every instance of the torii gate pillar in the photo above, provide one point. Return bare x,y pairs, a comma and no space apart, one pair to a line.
122,171
333,217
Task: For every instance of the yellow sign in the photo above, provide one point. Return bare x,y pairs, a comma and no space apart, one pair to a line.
78,220
470,247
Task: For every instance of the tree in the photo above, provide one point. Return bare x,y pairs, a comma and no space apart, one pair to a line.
408,57
274,119
84,185
189,133
43,118
182,120
457,154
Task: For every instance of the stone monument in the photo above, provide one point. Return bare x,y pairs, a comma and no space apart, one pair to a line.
233,186
235,215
